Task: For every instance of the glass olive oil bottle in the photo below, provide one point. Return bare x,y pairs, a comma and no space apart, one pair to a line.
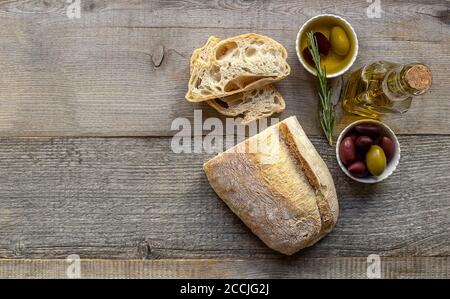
384,87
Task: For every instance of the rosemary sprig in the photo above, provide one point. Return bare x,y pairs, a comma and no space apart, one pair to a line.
326,112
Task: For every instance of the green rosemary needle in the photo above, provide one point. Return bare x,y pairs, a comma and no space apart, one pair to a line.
326,112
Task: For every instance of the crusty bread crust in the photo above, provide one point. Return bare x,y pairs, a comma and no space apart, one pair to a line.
235,65
200,56
318,174
290,203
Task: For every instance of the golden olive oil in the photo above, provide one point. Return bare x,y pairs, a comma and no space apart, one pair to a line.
333,62
384,87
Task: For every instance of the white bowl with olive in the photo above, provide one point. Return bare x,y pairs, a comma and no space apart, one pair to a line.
337,44
368,151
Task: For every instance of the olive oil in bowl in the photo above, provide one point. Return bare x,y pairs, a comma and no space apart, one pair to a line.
340,57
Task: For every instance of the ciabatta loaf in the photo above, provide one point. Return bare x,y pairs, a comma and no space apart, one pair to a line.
279,186
238,64
253,104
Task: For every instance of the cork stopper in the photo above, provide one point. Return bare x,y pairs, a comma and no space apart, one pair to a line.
419,77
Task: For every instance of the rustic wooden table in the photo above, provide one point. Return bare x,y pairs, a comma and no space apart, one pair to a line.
86,106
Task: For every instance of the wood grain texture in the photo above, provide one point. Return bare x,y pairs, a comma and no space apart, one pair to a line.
134,198
122,68
337,267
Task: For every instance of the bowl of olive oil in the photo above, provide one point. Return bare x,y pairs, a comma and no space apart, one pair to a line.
337,40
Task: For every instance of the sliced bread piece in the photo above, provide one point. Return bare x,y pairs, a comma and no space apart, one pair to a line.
253,104
238,64
200,56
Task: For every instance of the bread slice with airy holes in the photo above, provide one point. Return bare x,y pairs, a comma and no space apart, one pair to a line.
252,104
237,64
200,56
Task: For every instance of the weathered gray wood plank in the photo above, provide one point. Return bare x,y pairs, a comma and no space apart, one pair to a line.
237,14
134,198
122,68
333,267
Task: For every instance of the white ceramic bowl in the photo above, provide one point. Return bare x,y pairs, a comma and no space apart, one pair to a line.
348,28
392,164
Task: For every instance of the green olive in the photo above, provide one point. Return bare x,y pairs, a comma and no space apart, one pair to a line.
339,41
376,160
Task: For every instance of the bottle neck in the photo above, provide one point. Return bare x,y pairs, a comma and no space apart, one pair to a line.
406,81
